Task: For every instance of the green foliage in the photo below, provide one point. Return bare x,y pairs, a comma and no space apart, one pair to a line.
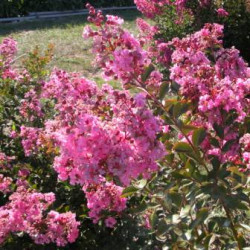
170,27
191,207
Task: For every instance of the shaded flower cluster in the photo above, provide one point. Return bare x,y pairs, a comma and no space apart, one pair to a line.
24,213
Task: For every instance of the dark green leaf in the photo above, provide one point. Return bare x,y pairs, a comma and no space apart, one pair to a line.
163,90
176,198
129,191
162,227
153,219
227,145
186,128
147,72
219,130
170,158
179,109
182,147
214,142
198,136
202,214
142,207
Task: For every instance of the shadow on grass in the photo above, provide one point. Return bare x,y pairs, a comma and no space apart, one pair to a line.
10,28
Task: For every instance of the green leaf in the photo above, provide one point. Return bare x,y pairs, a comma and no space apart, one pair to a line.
147,72
176,198
227,145
142,207
202,214
185,211
168,145
167,120
169,104
13,127
186,128
163,90
235,170
190,166
153,219
182,147
231,118
162,228
215,161
128,191
179,109
233,202
170,158
219,130
198,136
214,142
176,219
175,86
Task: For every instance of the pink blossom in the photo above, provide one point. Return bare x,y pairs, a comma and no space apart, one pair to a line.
110,222
221,12
104,197
24,212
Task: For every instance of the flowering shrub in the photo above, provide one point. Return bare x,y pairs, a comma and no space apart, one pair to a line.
170,148
210,115
179,18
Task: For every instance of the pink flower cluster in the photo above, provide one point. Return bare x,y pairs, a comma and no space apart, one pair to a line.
24,213
221,12
107,133
8,49
5,183
31,106
103,197
147,32
118,52
30,139
220,83
5,160
101,132
151,8
215,78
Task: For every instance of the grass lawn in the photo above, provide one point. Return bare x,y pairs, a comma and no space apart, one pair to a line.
72,52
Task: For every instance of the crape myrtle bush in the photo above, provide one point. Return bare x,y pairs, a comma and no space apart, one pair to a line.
28,185
10,8
161,162
233,14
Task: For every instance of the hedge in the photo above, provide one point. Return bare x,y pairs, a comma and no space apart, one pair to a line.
12,8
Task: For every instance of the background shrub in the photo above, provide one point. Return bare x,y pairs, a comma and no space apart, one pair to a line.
236,25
